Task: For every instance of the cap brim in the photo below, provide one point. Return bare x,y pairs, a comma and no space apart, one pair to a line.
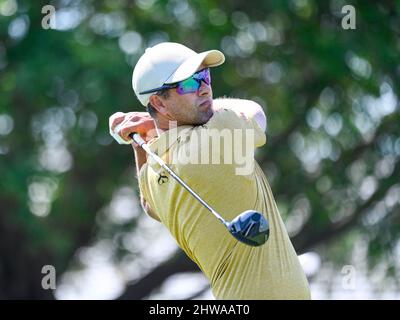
211,58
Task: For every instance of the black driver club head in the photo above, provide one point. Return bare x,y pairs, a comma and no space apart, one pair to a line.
250,227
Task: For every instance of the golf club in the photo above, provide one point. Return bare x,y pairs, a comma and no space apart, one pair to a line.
249,227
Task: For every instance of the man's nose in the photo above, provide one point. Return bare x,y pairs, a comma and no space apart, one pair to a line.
204,89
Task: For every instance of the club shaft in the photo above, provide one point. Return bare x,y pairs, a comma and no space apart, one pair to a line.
136,137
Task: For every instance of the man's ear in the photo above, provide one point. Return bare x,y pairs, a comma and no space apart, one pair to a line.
158,104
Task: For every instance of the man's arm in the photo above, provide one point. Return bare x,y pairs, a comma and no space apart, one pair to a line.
247,108
140,159
142,123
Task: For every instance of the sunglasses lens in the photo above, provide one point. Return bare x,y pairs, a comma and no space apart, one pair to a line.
188,86
203,75
194,82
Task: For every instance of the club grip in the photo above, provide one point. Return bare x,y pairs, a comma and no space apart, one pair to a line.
137,138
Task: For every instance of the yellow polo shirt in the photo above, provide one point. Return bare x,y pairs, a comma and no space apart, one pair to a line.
235,270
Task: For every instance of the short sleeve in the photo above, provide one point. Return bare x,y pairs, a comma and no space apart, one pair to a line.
239,136
229,119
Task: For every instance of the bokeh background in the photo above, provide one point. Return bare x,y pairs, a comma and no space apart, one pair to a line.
69,194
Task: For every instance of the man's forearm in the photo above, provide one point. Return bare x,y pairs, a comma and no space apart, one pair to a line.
140,158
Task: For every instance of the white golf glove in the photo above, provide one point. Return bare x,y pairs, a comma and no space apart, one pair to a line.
117,137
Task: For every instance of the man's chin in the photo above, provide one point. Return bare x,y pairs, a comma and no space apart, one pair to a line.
207,115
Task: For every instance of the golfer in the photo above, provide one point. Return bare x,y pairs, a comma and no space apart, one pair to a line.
174,83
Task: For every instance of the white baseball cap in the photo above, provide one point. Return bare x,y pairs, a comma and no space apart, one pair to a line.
169,62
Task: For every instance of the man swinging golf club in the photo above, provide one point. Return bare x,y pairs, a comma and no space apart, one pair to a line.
183,149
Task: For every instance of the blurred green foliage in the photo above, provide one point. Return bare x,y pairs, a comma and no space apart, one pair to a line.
330,95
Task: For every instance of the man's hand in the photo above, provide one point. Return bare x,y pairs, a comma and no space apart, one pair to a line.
127,123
